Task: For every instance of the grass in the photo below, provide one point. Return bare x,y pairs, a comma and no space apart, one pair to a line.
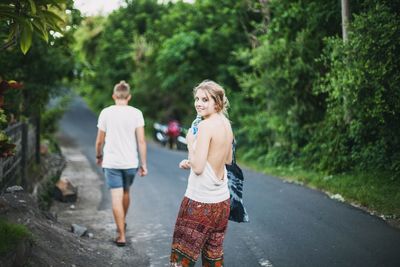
375,191
11,234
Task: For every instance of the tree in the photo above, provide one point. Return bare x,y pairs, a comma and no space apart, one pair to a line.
26,17
359,131
284,108
190,43
345,19
44,66
113,49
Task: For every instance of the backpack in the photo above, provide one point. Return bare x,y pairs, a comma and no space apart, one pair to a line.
173,129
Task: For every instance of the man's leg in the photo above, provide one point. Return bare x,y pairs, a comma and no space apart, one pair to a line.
126,202
118,211
127,180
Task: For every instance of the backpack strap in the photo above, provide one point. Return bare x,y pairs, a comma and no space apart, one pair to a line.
234,151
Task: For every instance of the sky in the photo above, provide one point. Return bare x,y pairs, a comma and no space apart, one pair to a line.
96,7
101,7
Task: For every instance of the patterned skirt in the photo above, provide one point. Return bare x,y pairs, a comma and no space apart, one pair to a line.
200,227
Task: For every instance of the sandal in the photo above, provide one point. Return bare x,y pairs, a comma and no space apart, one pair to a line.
119,243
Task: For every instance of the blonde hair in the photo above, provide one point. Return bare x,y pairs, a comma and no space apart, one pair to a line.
122,90
217,93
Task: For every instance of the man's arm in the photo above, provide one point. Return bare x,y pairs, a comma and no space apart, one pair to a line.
101,135
141,140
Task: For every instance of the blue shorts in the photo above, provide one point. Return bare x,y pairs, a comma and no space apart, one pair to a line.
117,178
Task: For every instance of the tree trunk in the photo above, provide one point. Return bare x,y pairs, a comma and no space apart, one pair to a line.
345,19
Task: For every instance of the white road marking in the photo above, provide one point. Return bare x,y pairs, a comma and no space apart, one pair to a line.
259,254
265,263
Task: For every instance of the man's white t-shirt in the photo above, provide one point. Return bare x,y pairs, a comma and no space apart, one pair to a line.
119,122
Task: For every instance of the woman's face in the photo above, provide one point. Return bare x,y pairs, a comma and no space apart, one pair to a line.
204,103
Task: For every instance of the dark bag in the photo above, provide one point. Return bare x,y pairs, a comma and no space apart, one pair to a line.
235,183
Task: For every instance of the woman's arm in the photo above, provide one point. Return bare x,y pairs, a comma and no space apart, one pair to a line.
198,156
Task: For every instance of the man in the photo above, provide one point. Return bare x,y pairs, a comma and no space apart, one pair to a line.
173,131
121,132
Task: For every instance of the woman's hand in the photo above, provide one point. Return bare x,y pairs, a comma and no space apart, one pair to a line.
184,164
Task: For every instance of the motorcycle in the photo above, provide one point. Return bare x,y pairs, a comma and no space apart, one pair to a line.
161,136
160,133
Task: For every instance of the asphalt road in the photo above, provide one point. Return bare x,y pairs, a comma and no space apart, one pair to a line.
290,225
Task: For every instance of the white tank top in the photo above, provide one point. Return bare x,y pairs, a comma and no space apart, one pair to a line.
207,187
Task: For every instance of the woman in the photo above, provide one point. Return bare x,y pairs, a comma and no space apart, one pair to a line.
204,212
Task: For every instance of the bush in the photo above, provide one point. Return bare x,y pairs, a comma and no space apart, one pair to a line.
360,129
52,115
280,108
10,235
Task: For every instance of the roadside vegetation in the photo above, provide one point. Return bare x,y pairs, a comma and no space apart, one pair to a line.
375,192
36,64
11,235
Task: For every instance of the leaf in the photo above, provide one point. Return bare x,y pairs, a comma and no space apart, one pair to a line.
41,28
33,6
52,16
7,13
49,20
13,31
26,36
51,2
7,8
54,26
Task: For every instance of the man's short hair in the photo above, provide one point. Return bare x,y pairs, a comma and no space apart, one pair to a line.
122,90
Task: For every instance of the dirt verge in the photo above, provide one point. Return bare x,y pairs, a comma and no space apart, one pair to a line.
52,242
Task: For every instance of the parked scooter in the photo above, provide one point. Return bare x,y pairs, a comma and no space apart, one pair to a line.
160,133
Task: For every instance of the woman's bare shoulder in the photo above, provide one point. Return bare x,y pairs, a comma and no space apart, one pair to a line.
205,125
212,124
227,123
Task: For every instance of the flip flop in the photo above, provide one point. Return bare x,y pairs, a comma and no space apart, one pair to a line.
120,244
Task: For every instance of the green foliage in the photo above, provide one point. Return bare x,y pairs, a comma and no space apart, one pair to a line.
3,119
299,95
195,42
11,234
44,67
86,41
26,17
109,57
361,126
166,54
279,88
42,70
52,115
7,148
